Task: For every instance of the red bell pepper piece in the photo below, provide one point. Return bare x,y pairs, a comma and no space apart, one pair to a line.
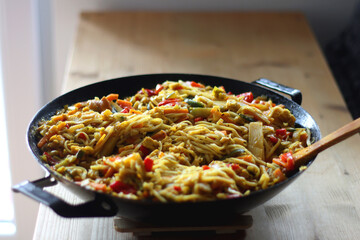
158,88
178,87
235,166
289,160
205,167
148,91
50,159
125,110
248,96
170,101
198,119
148,163
195,84
82,136
144,150
118,186
273,139
281,133
286,160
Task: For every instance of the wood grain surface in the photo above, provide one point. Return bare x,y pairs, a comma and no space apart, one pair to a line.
324,203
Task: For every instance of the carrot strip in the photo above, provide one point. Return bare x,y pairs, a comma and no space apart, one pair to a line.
279,174
58,118
172,110
112,97
227,118
160,135
98,186
78,105
161,154
215,112
135,111
100,142
123,103
60,126
43,140
52,131
109,172
72,112
247,158
278,162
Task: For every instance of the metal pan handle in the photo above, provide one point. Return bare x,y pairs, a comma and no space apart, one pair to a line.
295,94
99,207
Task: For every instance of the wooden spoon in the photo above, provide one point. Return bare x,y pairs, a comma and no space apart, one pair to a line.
303,156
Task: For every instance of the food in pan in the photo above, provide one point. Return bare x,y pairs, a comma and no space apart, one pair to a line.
181,141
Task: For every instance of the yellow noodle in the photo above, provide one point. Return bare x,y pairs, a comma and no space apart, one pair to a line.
195,143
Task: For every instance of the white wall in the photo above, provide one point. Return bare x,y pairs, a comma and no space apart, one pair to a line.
326,17
20,65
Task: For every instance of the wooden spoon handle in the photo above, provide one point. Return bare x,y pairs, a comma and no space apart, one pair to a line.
301,157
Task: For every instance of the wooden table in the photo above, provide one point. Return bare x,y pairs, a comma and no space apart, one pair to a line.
324,203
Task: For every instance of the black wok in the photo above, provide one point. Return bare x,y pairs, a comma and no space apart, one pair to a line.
98,204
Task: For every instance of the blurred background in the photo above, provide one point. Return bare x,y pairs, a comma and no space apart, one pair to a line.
35,42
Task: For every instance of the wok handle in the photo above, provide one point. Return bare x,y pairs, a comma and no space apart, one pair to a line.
99,207
295,94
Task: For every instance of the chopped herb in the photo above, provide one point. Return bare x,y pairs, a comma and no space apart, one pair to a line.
193,103
247,118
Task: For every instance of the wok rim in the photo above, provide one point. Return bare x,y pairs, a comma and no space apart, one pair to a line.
64,181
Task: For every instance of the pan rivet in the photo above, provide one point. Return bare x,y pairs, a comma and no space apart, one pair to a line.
105,205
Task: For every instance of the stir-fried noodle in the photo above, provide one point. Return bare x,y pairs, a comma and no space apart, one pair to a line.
181,141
